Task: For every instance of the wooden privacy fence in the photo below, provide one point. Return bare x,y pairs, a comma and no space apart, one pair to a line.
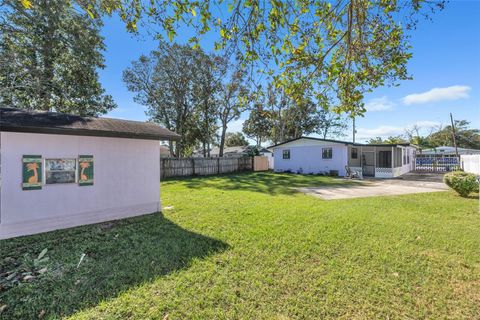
183,167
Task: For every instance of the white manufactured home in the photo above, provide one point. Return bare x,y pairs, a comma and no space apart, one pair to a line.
60,170
323,156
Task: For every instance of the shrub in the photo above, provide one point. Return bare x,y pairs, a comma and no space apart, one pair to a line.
462,182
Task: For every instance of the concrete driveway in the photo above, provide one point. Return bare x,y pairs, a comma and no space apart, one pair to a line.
373,188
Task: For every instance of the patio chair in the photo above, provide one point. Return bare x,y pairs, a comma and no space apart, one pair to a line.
353,174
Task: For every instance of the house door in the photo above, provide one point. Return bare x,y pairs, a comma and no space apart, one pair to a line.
368,163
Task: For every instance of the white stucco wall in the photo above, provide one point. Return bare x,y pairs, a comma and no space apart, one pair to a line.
126,182
306,157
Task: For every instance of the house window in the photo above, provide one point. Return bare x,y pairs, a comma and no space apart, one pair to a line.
60,171
326,153
354,153
286,154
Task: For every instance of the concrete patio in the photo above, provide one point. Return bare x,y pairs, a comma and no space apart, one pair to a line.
374,188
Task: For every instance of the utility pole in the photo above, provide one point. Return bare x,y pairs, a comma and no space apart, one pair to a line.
354,130
453,135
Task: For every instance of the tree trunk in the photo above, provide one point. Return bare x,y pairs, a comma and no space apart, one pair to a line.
47,59
222,139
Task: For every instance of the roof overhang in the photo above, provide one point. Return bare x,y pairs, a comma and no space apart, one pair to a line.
28,121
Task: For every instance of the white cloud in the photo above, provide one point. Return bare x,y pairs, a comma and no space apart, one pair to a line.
379,104
438,94
236,125
426,124
386,131
382,131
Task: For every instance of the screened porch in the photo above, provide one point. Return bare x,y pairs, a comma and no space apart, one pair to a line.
381,161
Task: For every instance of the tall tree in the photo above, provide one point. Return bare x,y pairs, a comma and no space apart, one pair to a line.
466,137
278,103
415,137
206,83
289,118
258,124
293,118
49,56
177,85
300,119
390,140
234,139
233,101
330,124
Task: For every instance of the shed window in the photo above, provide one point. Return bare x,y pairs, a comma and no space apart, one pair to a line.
60,171
286,154
326,153
354,153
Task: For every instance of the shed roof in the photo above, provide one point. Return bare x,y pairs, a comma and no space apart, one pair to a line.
19,120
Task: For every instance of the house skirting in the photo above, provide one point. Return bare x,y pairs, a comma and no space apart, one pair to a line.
386,173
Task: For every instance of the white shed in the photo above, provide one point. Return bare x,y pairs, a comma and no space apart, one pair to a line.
59,171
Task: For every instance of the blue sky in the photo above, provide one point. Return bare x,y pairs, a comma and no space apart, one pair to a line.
445,69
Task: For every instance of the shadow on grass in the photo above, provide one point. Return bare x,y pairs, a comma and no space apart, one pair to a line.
119,255
264,182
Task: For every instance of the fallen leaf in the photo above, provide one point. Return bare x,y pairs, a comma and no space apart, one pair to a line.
81,259
395,274
28,278
43,270
11,276
41,314
168,208
165,317
3,307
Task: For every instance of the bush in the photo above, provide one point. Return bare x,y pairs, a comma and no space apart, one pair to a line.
462,182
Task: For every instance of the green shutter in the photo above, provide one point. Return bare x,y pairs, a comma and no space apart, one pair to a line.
32,172
85,170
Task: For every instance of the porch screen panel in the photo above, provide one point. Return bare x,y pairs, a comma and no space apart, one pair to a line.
384,159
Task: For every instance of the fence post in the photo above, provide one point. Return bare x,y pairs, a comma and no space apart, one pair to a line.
193,166
253,163
218,165
162,169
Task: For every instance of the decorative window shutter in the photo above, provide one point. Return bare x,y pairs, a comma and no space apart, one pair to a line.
85,170
32,172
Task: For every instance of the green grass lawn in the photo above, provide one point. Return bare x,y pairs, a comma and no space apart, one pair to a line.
246,247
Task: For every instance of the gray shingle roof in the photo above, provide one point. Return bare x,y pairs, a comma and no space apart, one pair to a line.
18,120
343,142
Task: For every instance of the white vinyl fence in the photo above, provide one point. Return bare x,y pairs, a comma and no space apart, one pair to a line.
470,163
